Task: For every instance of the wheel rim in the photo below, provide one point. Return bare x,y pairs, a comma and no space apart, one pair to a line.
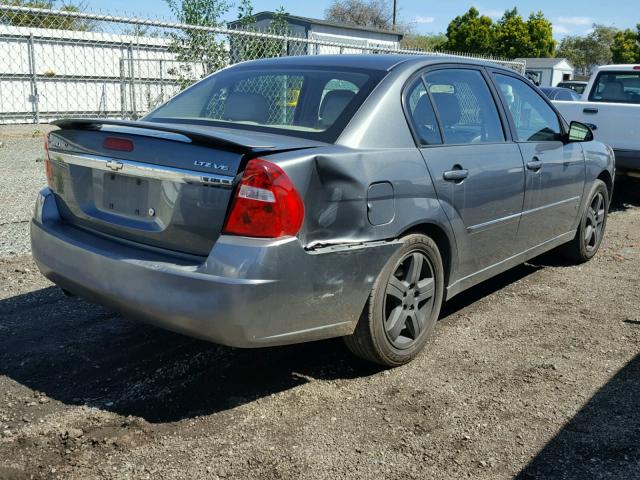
409,300
594,222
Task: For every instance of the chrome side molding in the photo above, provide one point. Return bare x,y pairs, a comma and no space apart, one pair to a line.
143,170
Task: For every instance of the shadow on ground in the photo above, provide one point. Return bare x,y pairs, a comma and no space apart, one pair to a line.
80,353
600,441
626,193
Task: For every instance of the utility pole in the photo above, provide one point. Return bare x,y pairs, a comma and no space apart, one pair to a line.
394,14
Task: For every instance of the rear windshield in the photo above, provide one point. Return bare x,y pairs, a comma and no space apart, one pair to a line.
310,103
618,87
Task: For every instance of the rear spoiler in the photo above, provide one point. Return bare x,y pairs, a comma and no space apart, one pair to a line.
209,136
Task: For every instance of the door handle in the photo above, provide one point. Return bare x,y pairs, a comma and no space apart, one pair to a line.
590,110
456,175
534,164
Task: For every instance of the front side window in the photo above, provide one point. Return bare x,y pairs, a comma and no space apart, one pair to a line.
618,87
465,106
302,102
422,115
533,118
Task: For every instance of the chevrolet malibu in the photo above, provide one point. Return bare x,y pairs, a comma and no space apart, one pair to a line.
294,199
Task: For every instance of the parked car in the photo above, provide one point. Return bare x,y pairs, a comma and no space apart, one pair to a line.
238,215
611,107
577,85
555,93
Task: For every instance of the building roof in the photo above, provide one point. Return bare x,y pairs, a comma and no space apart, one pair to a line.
316,21
544,62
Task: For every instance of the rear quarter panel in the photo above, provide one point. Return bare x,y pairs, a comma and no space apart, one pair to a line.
334,183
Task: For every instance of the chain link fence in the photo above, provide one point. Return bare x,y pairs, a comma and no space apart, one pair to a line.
61,63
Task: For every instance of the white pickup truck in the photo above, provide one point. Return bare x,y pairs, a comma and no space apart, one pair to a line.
610,105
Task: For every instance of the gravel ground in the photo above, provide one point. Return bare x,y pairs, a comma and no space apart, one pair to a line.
21,154
534,374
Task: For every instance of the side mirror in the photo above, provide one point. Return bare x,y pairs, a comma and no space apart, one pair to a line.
579,132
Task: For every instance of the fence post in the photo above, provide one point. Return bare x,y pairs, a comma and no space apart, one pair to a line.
34,81
123,90
134,109
161,83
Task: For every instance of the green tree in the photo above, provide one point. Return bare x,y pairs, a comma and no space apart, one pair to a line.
624,48
198,46
540,36
428,43
251,48
512,36
588,51
45,20
245,13
575,49
470,33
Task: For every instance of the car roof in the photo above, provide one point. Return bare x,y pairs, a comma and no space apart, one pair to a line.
384,62
573,82
556,89
627,67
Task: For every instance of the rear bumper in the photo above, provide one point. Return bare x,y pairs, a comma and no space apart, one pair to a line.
246,293
627,159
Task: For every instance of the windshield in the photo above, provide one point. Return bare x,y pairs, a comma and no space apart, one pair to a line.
576,87
618,87
309,103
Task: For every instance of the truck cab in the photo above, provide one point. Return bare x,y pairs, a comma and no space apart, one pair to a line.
610,105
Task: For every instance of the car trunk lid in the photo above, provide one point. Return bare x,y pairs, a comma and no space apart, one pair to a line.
159,184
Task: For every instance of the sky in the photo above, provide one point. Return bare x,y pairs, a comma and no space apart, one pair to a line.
568,17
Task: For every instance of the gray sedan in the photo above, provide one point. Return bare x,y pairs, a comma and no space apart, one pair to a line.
558,93
295,199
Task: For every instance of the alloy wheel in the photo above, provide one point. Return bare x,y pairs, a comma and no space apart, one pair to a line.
594,222
409,299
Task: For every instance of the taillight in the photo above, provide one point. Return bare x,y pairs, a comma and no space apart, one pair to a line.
266,203
115,143
47,163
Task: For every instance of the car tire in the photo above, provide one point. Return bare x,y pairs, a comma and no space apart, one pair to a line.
592,225
403,306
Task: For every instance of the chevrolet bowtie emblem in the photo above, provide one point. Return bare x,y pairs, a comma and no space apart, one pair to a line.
114,165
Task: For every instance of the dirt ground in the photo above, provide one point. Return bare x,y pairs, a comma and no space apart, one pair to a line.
534,374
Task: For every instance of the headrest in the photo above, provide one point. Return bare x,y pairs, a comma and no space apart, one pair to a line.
448,108
250,107
333,104
423,113
613,91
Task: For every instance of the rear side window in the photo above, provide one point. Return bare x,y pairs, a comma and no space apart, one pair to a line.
422,115
310,103
533,118
618,87
465,106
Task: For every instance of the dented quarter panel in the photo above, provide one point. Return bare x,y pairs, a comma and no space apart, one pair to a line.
334,181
